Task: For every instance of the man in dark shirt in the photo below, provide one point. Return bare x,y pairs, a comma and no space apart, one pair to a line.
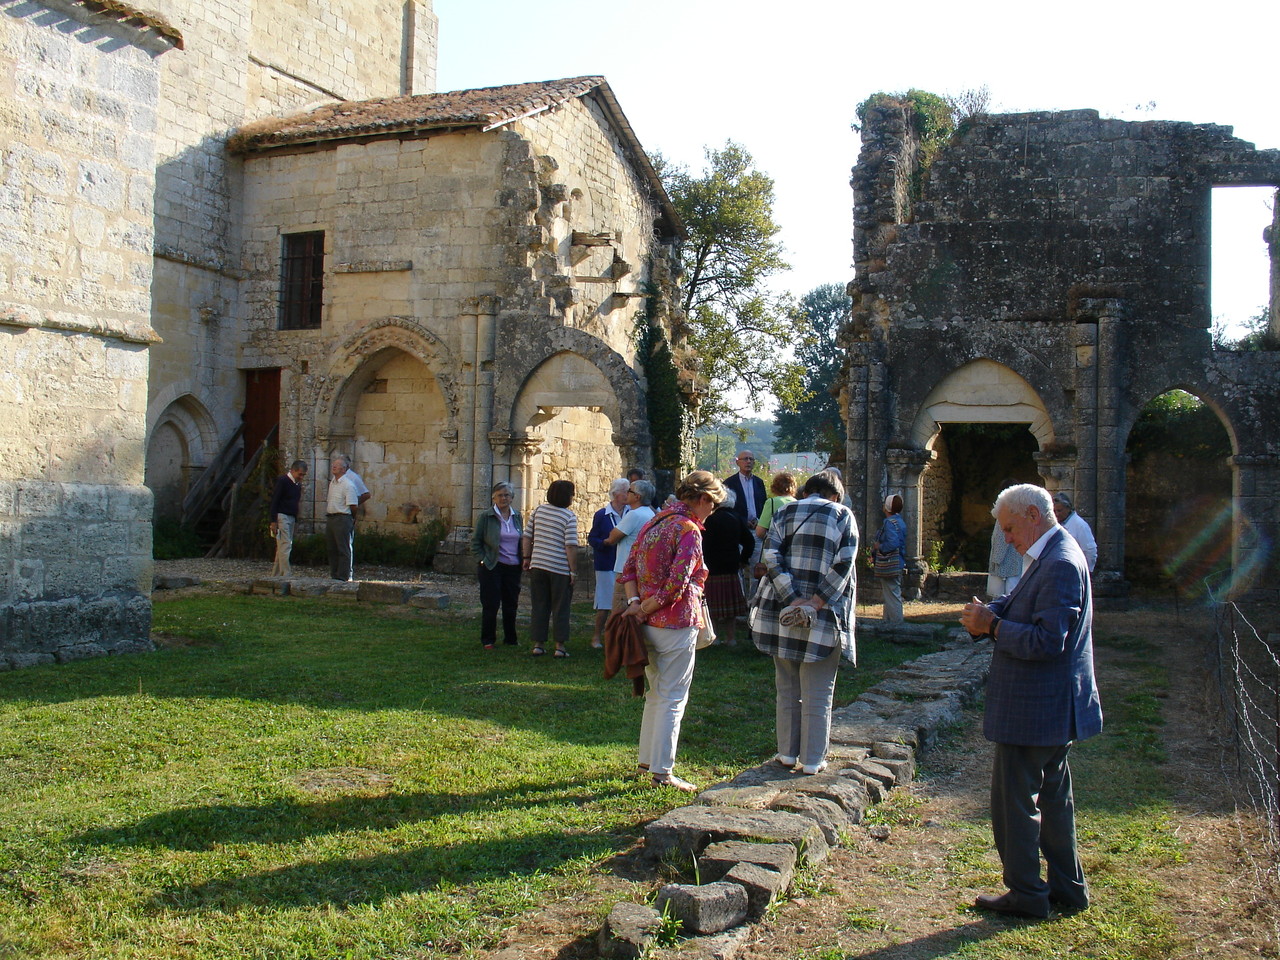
283,512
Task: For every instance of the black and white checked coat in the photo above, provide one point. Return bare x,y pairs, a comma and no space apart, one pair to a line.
819,559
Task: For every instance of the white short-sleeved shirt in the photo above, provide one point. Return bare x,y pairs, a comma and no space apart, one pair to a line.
342,495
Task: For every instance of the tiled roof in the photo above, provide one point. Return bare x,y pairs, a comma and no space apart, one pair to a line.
485,108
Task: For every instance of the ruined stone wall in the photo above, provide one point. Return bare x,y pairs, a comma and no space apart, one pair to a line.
1072,252
500,280
242,60
77,149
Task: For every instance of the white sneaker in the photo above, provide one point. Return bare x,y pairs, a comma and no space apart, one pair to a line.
788,762
817,768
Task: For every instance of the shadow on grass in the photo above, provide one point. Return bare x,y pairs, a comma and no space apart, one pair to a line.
944,943
289,821
348,881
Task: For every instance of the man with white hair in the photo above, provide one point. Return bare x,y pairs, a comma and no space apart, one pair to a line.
1041,698
340,519
1075,525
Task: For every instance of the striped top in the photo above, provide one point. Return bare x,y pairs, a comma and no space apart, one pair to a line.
551,529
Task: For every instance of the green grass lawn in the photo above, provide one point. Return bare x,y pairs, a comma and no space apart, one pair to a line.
166,805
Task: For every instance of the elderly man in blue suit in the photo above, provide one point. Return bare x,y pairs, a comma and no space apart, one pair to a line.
1041,698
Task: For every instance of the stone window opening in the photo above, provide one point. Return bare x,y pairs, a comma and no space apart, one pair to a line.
1242,267
301,280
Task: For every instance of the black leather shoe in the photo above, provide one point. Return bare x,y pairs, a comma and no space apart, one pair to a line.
1008,904
1066,906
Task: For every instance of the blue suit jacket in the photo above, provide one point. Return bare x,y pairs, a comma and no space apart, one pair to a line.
734,483
1041,691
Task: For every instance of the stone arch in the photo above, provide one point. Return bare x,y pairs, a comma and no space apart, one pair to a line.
181,441
615,386
571,419
1201,391
394,408
359,357
1186,518
981,391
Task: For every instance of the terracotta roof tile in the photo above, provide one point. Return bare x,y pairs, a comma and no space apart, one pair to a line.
485,108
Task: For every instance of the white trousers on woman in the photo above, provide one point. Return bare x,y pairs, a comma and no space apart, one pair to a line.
805,692
669,674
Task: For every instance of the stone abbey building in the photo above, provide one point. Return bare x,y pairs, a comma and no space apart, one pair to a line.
1051,270
246,222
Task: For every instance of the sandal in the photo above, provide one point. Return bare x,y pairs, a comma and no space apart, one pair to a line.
561,652
676,783
537,651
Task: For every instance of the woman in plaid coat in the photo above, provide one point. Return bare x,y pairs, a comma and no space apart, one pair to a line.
802,615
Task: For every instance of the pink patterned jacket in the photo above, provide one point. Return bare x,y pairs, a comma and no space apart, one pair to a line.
666,562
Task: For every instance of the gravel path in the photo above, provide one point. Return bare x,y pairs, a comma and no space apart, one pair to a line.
464,592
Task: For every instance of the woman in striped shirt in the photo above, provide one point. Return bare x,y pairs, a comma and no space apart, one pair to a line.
549,548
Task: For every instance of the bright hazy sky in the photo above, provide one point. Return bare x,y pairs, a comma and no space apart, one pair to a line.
783,79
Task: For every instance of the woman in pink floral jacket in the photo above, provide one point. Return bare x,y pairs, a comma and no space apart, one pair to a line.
663,579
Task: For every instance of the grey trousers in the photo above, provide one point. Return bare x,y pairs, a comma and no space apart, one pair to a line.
339,530
803,711
1032,812
891,593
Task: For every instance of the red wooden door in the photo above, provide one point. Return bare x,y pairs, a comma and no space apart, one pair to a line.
261,407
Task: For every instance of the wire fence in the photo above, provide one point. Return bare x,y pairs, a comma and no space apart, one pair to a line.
1247,667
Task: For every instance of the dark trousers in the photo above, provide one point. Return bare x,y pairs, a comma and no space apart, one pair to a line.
1032,812
549,596
499,587
339,532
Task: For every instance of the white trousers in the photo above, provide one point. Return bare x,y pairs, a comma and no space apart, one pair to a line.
669,674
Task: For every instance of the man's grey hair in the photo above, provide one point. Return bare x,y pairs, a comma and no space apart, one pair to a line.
503,485
1022,497
299,465
621,485
345,458
646,491
1063,499
730,498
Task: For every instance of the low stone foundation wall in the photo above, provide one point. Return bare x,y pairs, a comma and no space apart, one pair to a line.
748,835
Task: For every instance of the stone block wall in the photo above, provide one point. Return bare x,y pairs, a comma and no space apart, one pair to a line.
242,60
77,154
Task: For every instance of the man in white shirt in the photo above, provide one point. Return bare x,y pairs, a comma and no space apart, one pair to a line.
1075,525
340,520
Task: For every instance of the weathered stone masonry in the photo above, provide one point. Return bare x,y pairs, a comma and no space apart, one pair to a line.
77,175
1050,269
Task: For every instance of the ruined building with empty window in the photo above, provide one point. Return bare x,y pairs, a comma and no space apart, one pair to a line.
1050,271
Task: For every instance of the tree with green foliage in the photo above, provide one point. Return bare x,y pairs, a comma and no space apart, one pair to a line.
737,328
815,423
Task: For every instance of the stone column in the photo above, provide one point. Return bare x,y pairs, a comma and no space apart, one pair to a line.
906,470
1106,500
473,467
1056,470
524,450
1255,526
